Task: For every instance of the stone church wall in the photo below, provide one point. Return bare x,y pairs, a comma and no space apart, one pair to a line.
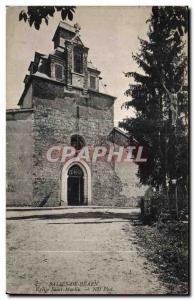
27,103
64,104
55,120
19,158
131,188
34,181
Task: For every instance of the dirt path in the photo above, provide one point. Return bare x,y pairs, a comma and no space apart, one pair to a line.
94,255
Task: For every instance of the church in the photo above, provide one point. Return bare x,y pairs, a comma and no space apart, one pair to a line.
65,103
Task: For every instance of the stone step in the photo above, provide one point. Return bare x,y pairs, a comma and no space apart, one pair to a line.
73,212
84,207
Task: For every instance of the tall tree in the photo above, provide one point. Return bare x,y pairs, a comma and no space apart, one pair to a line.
159,98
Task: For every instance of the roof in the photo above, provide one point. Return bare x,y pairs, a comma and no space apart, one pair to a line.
14,111
31,63
126,134
65,26
116,132
119,137
41,69
121,132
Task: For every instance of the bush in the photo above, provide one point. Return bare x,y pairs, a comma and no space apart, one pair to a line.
166,245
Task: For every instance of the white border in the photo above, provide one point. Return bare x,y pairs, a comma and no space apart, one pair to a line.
4,3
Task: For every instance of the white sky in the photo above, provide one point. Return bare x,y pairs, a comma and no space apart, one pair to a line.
111,33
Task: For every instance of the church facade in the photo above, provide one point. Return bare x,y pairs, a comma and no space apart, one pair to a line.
63,104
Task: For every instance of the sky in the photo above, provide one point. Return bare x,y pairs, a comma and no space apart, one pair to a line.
111,34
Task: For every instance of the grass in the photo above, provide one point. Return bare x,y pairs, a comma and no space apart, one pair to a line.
166,245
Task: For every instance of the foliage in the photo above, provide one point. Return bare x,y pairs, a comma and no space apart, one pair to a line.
34,15
152,208
162,62
166,245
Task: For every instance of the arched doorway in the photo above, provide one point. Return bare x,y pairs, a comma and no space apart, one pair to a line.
71,166
75,186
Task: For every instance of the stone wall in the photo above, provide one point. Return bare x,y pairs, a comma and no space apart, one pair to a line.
132,190
19,153
32,180
55,120
27,102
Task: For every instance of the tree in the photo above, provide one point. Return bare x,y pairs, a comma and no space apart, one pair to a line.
158,97
34,15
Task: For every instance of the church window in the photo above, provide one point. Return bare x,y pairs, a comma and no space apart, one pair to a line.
75,171
78,60
58,72
93,82
77,141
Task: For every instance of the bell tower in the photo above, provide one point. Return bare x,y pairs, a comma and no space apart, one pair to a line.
68,65
67,38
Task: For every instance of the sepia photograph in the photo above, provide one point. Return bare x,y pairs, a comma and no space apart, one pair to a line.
97,150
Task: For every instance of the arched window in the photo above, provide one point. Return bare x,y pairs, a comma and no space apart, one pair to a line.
77,142
75,171
78,59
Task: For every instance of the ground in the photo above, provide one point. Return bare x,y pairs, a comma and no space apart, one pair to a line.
77,251
166,245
